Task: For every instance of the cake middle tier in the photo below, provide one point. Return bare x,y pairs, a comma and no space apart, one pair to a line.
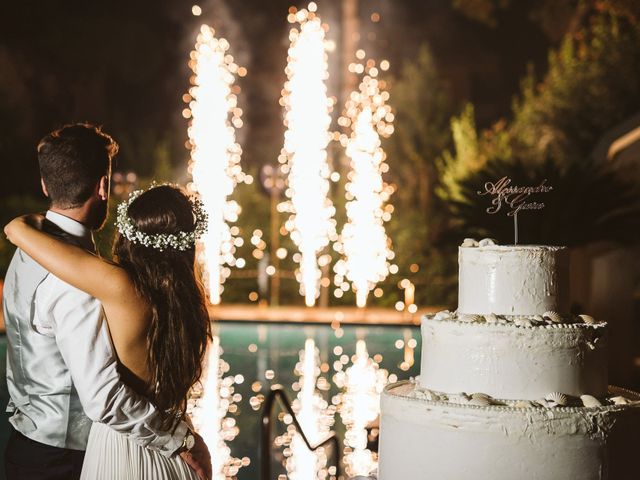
506,360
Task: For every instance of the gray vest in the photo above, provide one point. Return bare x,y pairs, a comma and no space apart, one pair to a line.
44,402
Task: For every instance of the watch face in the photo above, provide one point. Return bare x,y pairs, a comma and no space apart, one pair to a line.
190,441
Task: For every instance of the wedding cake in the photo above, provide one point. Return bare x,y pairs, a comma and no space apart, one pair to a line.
512,385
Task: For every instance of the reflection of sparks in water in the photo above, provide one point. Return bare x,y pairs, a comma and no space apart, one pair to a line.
215,155
315,417
209,408
362,384
363,240
409,346
307,120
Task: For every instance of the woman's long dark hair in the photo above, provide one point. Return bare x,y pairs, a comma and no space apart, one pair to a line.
167,280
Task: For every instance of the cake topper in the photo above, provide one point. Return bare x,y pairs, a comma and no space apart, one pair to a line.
513,198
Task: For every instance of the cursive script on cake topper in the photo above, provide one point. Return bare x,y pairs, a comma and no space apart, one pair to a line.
513,198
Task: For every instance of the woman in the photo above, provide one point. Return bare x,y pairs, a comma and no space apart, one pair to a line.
155,309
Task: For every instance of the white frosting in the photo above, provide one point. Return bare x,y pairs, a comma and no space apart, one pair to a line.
529,363
421,439
513,280
507,361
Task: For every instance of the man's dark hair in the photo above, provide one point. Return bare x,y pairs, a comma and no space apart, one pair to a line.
72,160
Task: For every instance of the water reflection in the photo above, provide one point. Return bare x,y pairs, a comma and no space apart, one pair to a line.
315,415
325,375
359,407
209,406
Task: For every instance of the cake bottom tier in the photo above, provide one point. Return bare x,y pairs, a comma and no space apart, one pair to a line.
432,440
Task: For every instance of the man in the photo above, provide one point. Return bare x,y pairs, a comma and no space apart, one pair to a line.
61,366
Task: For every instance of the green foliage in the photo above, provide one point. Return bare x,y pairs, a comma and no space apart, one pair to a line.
483,11
255,217
589,203
11,207
423,107
105,237
472,152
466,160
162,167
591,86
552,16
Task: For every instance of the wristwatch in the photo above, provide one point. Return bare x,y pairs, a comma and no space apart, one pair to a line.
189,441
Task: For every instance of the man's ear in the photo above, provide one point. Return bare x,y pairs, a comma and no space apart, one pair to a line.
44,188
103,188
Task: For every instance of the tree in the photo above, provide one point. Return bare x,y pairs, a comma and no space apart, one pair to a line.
589,203
423,108
472,152
555,17
11,207
591,86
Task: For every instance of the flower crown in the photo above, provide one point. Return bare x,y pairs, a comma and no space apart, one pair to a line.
161,241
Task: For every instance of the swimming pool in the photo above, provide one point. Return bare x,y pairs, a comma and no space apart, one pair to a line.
263,354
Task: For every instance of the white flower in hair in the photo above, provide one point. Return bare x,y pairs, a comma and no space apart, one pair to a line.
161,241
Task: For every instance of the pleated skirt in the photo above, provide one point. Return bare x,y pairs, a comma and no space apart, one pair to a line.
112,456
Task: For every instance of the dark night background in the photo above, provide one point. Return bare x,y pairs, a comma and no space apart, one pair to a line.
124,65
480,89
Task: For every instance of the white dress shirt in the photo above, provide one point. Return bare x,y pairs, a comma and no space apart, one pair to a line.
61,365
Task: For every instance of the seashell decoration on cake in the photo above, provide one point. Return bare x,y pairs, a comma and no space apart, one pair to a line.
486,242
537,320
522,322
550,401
549,319
461,397
480,396
443,315
491,318
588,319
469,242
590,401
481,402
555,317
541,402
471,318
480,399
557,399
542,405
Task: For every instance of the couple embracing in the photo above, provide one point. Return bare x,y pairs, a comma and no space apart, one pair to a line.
101,355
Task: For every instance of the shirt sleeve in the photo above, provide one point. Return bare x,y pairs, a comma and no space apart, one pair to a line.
83,339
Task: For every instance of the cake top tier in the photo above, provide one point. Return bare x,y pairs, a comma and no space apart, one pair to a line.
512,280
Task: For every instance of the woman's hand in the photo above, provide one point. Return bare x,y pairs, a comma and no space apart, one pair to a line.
199,458
13,228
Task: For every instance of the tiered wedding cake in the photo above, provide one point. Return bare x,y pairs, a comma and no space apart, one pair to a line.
512,386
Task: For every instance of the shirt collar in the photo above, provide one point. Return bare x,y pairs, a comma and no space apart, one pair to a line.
72,227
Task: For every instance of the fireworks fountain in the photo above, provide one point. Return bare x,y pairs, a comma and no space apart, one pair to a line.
209,408
362,384
215,155
363,240
304,154
215,167
315,417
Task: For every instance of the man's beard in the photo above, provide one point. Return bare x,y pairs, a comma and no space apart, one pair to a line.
98,215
